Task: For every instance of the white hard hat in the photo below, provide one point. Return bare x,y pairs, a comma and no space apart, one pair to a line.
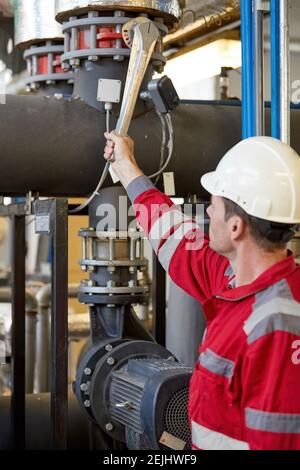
261,175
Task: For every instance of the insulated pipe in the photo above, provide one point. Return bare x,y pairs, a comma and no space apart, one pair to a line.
35,22
285,86
42,370
185,326
170,10
60,144
30,332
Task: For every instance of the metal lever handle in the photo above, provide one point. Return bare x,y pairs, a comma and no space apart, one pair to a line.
146,35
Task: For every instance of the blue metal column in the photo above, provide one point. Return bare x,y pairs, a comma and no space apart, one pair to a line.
248,108
258,51
275,67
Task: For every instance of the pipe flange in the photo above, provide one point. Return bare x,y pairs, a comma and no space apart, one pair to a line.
115,263
125,299
87,364
44,65
113,290
94,36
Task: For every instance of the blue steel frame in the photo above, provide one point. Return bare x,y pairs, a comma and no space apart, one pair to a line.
248,72
248,90
275,67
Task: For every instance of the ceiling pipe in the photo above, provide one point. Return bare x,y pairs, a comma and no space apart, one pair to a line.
205,18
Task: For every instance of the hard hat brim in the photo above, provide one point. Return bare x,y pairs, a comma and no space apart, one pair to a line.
208,183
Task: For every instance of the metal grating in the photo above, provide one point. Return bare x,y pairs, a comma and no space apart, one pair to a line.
176,416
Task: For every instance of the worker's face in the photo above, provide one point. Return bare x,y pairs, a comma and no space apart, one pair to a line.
219,229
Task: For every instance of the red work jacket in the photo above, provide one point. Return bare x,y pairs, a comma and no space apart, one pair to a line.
245,389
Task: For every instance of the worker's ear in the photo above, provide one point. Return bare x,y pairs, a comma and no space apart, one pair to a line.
237,227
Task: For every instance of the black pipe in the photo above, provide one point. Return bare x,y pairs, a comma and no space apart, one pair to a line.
55,147
18,332
38,424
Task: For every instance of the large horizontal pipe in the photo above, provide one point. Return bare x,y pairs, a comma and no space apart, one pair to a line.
55,147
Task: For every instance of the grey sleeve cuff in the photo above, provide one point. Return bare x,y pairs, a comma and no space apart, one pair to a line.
138,186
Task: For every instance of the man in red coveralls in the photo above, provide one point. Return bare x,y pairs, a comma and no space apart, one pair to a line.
245,390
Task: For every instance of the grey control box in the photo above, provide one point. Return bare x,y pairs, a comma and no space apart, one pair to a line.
109,91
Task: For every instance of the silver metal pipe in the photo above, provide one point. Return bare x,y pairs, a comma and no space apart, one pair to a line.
42,378
30,332
259,68
185,325
42,369
285,72
35,21
170,10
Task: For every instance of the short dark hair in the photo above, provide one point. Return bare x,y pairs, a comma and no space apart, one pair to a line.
265,239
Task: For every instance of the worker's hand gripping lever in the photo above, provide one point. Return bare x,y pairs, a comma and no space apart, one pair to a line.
145,36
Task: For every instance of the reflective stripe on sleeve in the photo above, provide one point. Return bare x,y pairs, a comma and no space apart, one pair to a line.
168,249
163,225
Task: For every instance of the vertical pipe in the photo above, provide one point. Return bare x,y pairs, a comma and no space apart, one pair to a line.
30,346
284,71
42,374
18,333
258,69
248,118
42,351
159,302
275,68
59,322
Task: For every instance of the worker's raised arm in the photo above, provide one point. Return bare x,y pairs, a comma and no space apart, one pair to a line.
178,240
